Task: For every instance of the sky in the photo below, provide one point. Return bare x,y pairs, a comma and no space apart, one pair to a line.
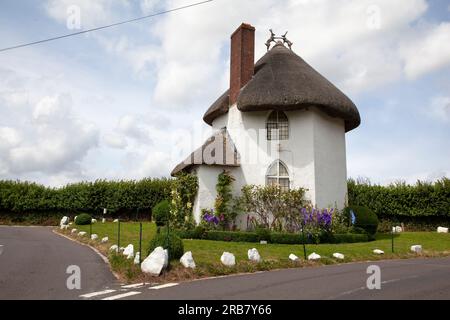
127,102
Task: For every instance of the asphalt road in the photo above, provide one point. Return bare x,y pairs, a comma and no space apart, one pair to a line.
400,279
34,262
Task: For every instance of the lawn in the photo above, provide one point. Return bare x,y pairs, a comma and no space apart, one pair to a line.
207,253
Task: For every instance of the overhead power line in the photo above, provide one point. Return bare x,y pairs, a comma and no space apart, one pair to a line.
104,27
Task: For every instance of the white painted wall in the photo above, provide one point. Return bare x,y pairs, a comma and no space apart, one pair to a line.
314,156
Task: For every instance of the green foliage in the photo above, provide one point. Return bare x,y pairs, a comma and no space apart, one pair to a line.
234,236
184,190
274,207
263,233
161,212
365,219
122,198
399,200
83,219
223,203
173,243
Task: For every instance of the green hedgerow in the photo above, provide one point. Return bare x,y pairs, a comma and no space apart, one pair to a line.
160,213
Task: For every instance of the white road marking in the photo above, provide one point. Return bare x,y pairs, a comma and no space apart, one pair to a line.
135,285
123,295
167,285
98,293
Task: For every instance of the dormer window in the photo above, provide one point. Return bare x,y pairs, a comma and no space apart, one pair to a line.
277,126
278,175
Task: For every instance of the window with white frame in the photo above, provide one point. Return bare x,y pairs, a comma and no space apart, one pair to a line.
277,126
278,176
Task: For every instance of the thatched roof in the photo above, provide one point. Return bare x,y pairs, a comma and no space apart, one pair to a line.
284,81
218,150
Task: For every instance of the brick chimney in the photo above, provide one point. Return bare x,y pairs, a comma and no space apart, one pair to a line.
242,59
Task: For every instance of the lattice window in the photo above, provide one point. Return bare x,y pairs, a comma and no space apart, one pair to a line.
278,176
277,126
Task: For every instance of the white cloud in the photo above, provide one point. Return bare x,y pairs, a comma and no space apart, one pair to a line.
115,141
429,51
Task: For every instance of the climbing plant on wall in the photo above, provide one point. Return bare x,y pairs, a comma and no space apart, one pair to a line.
183,195
223,204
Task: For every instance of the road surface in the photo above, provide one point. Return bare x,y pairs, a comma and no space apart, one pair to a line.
34,261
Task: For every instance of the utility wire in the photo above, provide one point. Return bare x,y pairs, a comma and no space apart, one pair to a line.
104,27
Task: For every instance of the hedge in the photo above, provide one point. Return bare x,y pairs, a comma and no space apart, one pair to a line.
279,238
124,198
400,201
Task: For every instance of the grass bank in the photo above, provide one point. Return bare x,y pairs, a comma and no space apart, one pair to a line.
207,253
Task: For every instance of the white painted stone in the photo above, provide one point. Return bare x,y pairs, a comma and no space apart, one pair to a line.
105,239
103,220
263,242
397,229
73,231
155,262
94,236
338,255
228,259
129,251
74,219
442,230
65,220
187,260
93,220
114,247
121,249
116,220
82,233
417,248
136,258
64,226
253,255
314,256
378,251
293,257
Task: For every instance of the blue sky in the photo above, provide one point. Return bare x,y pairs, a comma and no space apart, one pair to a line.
127,102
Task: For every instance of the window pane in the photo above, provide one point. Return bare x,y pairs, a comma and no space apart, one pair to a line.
277,126
272,181
284,184
283,170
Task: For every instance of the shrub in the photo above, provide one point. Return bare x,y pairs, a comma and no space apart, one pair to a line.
365,219
235,236
83,219
160,213
263,233
174,245
198,232
286,238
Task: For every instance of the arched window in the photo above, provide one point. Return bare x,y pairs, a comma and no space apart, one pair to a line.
278,176
277,126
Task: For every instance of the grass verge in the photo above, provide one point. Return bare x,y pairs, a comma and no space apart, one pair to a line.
275,256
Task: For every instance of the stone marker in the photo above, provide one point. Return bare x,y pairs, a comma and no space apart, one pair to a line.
105,239
116,220
64,221
263,242
338,255
253,255
93,220
228,259
136,258
94,236
417,248
82,233
293,257
114,247
442,230
378,251
187,260
103,220
129,251
73,231
314,256
155,262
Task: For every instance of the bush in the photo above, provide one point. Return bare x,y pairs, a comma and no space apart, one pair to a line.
175,247
287,238
160,213
83,219
365,219
234,236
263,234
